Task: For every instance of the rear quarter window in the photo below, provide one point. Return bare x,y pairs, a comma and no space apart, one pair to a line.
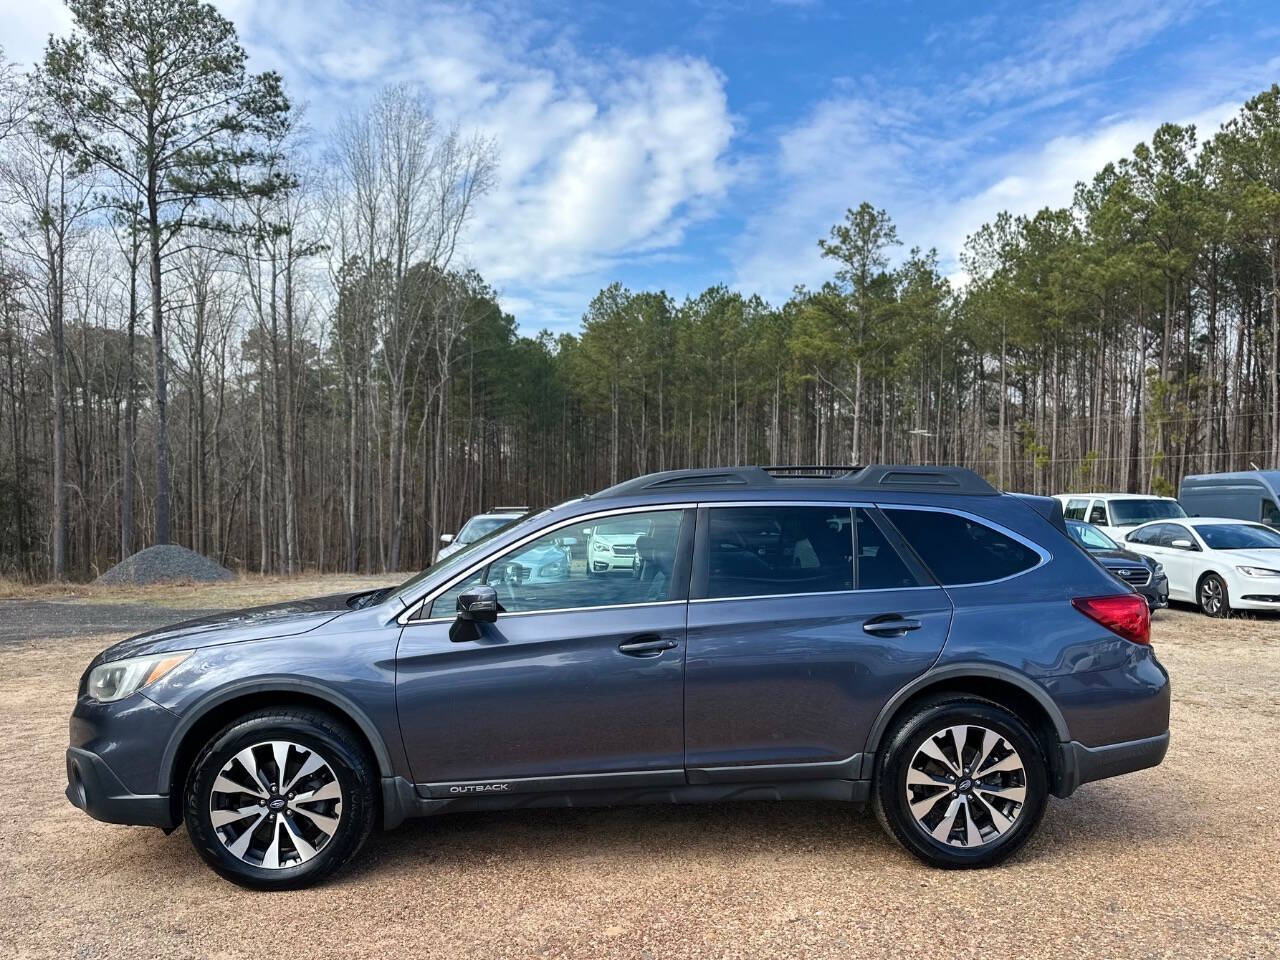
959,550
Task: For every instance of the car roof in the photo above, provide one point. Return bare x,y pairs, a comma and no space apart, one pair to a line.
1207,521
1200,521
801,479
1114,496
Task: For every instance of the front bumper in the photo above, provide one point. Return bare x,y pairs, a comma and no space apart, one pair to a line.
1156,592
1081,764
94,788
114,760
607,563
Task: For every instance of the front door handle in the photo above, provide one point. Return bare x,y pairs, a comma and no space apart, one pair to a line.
645,646
890,625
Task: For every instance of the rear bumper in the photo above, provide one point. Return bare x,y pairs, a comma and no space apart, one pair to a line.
94,787
1080,764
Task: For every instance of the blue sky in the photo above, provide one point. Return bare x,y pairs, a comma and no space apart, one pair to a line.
673,145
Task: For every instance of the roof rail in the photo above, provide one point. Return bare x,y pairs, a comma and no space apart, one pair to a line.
811,470
908,479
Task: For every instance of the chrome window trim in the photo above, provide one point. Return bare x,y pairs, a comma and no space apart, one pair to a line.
538,613
815,593
406,618
847,504
1044,555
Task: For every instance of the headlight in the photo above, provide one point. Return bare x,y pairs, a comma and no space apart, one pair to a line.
119,678
1259,571
599,547
1159,568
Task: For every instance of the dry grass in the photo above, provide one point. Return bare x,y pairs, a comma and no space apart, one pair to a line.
247,590
1179,861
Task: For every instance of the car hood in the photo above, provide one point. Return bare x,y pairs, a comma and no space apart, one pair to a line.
1121,558
623,539
253,623
1253,558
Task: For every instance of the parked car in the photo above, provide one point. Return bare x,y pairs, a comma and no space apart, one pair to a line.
1142,573
481,525
1116,513
611,546
905,638
1244,495
1217,563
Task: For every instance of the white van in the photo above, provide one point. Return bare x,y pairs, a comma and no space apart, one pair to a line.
1117,513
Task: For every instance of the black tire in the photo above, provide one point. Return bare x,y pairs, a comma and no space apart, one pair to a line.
1212,596
331,740
930,719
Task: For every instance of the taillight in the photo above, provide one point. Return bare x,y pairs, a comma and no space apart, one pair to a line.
1124,613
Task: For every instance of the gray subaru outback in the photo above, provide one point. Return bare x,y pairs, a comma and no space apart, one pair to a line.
905,638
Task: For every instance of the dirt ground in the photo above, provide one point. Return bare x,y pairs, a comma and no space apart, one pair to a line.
1179,861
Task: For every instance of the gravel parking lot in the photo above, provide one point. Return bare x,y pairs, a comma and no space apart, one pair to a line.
1179,861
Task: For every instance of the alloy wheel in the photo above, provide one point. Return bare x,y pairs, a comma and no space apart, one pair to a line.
1211,595
966,786
275,804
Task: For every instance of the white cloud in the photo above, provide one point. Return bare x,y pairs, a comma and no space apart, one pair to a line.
601,158
1014,137
604,157
27,27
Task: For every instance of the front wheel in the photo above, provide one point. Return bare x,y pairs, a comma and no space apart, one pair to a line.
962,782
280,799
1213,597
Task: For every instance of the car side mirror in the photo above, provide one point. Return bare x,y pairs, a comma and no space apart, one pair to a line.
446,538
1182,543
477,605
568,541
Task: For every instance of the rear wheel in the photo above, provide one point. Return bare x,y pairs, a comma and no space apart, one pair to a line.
1212,596
280,799
962,782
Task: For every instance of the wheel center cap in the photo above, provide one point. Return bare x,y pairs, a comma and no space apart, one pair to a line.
965,786
277,803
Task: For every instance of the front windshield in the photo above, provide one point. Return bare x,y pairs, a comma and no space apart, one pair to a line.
1130,513
1091,538
478,527
1238,536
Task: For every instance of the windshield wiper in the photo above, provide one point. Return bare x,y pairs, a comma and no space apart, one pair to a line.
362,600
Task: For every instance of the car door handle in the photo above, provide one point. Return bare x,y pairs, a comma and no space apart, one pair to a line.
645,646
891,625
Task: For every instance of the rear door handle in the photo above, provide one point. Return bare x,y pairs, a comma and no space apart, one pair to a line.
645,646
890,625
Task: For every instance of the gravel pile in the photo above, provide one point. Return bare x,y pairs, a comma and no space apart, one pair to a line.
166,564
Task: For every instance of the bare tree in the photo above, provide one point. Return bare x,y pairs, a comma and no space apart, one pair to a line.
46,198
408,188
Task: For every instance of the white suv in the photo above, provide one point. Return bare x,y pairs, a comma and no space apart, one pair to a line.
1117,513
613,545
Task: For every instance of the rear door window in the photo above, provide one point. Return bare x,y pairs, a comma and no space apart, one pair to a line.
960,550
1075,509
771,551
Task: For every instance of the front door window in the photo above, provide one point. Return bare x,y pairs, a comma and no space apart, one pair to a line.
624,559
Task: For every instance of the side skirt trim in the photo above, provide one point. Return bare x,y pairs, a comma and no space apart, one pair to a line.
401,799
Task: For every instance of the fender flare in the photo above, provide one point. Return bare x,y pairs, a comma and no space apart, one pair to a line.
280,684
955,671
